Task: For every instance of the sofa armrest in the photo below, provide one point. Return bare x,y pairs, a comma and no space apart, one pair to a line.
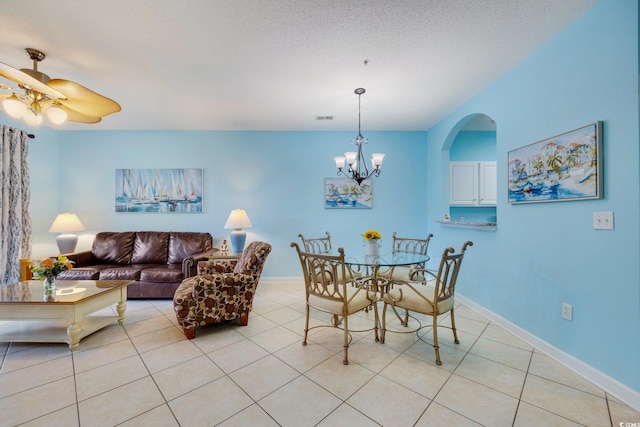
81,259
190,263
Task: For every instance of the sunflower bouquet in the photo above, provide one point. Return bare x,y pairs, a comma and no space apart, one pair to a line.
372,235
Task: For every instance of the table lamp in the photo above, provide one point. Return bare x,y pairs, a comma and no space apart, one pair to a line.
238,220
66,223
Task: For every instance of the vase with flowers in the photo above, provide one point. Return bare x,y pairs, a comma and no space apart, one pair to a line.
48,269
372,241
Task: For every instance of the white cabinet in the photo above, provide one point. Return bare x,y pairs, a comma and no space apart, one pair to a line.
472,183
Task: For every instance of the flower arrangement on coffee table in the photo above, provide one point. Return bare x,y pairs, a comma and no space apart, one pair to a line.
48,269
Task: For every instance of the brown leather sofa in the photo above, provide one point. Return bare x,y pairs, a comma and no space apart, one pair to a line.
158,261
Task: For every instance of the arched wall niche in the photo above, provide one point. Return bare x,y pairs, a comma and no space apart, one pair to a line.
472,141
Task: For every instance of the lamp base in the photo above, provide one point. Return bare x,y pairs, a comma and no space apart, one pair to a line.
237,238
67,243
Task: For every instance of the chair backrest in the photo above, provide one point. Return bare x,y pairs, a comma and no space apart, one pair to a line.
318,245
447,276
323,274
411,245
252,259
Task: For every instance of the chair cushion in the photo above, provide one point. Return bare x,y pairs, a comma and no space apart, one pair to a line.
412,297
359,301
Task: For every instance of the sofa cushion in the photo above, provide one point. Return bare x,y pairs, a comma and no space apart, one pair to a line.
113,248
183,244
150,247
162,274
131,272
91,272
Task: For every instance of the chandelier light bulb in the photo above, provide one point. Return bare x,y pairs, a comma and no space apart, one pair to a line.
14,107
339,161
56,115
351,157
376,160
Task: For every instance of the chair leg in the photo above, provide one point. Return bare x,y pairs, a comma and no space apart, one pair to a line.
383,328
346,341
306,327
244,318
190,333
435,340
453,328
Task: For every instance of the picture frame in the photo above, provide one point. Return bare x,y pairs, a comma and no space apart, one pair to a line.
564,167
159,190
345,193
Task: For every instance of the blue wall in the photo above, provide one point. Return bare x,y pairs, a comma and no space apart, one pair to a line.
548,253
473,146
277,177
541,255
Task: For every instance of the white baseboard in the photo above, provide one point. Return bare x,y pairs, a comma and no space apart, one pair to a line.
620,391
287,280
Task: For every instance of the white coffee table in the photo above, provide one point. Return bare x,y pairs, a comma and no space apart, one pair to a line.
27,314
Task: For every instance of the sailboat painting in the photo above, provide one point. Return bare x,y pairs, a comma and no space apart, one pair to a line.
159,190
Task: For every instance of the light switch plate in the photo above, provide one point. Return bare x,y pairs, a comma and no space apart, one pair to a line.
603,220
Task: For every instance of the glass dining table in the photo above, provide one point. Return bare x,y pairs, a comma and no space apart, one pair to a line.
372,271
369,266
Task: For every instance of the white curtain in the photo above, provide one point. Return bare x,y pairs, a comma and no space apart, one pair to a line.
15,209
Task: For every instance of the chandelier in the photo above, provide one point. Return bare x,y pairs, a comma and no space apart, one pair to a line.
61,100
358,170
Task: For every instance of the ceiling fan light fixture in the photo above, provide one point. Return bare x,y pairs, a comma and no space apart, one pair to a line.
32,118
62,100
56,115
14,107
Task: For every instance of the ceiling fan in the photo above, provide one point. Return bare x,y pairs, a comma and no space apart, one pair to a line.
61,100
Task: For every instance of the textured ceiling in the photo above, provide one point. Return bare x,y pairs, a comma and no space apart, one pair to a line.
277,64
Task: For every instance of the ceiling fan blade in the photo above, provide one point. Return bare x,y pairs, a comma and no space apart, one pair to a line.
7,87
75,116
25,79
83,100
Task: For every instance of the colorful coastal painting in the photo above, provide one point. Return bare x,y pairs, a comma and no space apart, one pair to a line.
345,193
564,167
159,190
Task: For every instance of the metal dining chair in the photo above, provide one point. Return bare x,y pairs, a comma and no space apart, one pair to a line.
433,299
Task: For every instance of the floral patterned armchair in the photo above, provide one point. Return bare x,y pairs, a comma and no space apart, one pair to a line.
222,290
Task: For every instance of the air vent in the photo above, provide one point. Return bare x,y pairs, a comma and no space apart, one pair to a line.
324,118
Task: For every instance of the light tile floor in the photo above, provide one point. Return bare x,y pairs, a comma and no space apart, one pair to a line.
145,373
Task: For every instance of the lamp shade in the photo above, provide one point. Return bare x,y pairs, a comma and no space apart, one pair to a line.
238,218
66,223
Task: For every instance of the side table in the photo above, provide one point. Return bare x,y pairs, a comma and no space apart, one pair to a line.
220,255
